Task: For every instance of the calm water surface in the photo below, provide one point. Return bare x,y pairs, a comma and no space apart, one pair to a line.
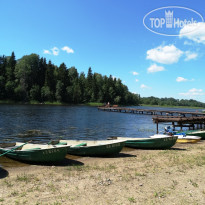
43,123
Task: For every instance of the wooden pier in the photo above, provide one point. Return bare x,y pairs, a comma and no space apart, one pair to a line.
190,122
151,112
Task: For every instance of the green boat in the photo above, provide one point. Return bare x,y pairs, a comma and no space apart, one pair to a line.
150,143
199,133
96,148
35,152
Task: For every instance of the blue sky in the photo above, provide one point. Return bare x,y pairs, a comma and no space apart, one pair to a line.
109,36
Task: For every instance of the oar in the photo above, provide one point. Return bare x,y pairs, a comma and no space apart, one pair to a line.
15,148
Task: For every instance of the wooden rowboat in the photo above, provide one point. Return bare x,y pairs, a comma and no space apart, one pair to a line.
199,133
187,139
180,138
165,142
35,152
95,148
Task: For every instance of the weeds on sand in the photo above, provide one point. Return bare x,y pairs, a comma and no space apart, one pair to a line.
1,199
106,168
23,194
8,183
57,203
14,193
17,202
161,194
52,187
25,177
174,184
194,184
140,174
132,199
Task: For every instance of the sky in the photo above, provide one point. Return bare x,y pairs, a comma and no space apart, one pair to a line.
111,37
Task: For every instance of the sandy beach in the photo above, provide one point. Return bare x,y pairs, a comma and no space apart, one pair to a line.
143,177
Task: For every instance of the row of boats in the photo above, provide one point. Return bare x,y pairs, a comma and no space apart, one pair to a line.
56,150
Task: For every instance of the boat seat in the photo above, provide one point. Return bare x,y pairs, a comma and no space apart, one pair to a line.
36,148
81,144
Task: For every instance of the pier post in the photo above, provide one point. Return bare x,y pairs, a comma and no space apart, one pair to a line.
157,127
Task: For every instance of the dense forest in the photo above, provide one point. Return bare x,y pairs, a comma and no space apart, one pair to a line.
32,79
171,102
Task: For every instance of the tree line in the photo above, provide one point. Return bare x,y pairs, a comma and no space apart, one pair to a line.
171,102
31,78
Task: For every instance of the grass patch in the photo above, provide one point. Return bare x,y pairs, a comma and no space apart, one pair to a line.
171,106
14,193
25,177
194,184
140,175
95,104
78,168
132,199
53,103
7,102
8,183
161,194
106,168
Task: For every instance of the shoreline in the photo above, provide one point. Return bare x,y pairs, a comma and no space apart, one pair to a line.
92,104
133,177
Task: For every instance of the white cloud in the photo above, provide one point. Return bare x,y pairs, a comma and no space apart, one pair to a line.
194,32
193,92
55,51
189,43
190,56
135,73
136,80
155,68
166,55
143,86
181,79
46,52
67,49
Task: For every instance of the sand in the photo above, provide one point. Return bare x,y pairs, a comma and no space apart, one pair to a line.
144,177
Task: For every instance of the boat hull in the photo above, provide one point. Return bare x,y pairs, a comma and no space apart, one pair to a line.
184,140
199,133
181,138
151,143
37,155
97,150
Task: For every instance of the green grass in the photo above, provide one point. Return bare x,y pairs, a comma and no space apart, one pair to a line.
25,177
7,102
194,184
8,183
171,106
35,102
95,104
132,199
1,199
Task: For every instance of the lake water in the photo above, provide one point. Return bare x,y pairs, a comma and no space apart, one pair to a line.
42,123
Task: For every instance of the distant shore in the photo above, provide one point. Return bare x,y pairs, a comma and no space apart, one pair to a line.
10,102
94,104
170,106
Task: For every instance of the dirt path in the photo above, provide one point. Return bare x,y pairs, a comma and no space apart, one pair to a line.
141,177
